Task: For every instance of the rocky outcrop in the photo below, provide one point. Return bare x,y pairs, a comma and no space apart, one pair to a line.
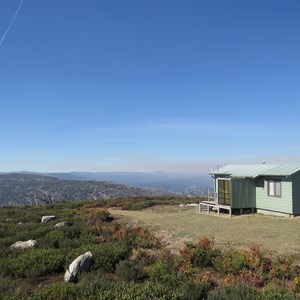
23,244
46,219
81,264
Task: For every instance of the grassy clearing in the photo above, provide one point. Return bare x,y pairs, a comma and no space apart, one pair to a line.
275,235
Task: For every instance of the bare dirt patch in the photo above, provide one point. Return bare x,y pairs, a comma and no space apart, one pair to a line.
177,225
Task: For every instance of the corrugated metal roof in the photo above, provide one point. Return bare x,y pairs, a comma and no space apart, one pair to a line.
253,171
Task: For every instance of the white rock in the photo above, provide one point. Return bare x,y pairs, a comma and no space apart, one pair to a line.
23,245
81,264
46,219
62,224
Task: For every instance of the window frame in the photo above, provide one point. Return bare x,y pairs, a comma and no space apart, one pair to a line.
275,182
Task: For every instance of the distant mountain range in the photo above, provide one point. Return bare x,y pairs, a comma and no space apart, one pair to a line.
181,183
27,188
31,188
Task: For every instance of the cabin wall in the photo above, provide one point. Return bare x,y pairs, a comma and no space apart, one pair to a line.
296,193
282,204
243,193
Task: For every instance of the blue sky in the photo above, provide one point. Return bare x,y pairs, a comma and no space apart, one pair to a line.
148,85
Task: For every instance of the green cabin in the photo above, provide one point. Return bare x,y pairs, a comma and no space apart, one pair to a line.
267,188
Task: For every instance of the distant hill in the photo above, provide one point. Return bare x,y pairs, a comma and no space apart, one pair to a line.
28,188
181,183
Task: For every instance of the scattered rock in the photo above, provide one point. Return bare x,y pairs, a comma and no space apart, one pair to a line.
62,224
46,219
81,264
23,245
181,205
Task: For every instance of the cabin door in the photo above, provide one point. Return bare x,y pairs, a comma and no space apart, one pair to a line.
224,191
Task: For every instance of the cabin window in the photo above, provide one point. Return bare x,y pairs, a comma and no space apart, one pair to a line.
274,188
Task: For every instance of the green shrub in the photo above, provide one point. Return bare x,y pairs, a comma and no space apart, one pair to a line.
137,237
202,254
234,292
204,257
130,270
164,271
230,261
144,256
105,291
152,291
107,256
282,268
276,293
66,238
160,272
61,291
194,291
10,288
32,263
52,239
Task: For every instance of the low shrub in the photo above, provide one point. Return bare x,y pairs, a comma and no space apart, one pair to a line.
296,281
101,215
230,261
165,271
52,239
60,291
32,263
195,256
10,288
282,268
130,270
256,261
204,258
137,237
276,293
234,292
145,256
106,291
107,256
194,291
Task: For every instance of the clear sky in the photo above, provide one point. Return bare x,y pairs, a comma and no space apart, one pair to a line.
148,85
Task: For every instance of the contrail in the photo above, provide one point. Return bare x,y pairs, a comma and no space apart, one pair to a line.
12,22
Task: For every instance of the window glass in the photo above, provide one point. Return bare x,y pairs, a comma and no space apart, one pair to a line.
274,188
277,188
271,188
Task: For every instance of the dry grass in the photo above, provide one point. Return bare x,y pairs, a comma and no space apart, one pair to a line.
274,235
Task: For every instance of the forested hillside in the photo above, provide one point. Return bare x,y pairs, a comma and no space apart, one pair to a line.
33,189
